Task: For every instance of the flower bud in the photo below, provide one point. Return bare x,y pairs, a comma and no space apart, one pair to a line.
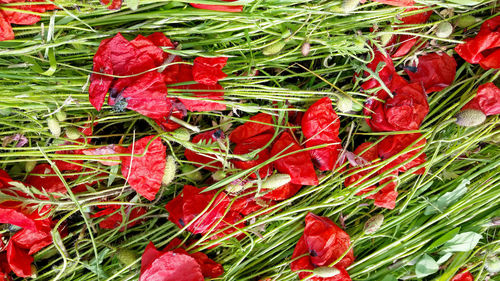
274,48
276,181
60,115
306,48
219,175
191,173
29,165
466,21
386,36
54,127
444,30
344,103
492,264
325,271
349,5
72,133
470,117
170,168
126,257
181,134
374,223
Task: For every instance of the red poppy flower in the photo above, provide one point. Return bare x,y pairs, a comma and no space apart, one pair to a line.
221,8
487,99
208,163
394,144
435,71
12,17
485,47
152,260
320,125
404,111
322,243
464,275
400,45
400,3
208,71
43,177
251,144
144,173
203,92
298,165
191,202
115,4
116,219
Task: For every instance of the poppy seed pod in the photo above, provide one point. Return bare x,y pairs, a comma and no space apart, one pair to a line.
274,48
72,133
276,181
170,168
126,256
466,21
349,5
444,30
325,271
219,175
60,115
54,127
470,118
305,49
181,134
374,223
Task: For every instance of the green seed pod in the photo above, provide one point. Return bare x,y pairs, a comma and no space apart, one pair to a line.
190,173
349,5
374,223
274,48
54,127
444,30
181,134
60,115
344,103
126,257
470,118
305,49
29,165
237,186
325,271
492,264
72,133
219,175
465,21
170,169
276,181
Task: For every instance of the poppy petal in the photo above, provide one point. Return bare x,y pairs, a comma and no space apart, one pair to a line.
172,266
208,71
435,71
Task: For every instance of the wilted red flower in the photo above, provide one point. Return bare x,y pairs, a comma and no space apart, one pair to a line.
205,138
387,73
12,17
175,263
435,71
394,144
367,154
115,4
486,100
464,275
322,243
144,173
404,111
484,48
191,202
252,144
116,219
401,3
298,165
208,71
320,125
221,8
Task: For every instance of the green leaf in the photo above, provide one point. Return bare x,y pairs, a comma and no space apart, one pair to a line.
444,258
132,4
112,174
447,199
426,265
462,242
443,239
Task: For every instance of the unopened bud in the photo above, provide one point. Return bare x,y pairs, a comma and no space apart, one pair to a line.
29,165
466,21
191,173
274,48
219,175
54,127
126,257
344,103
374,223
325,271
181,134
275,181
60,115
470,117
444,30
170,169
349,5
492,264
72,133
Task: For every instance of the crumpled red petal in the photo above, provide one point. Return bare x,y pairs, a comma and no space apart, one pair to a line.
105,150
46,180
115,4
435,71
404,111
144,173
400,3
172,266
6,32
15,217
252,128
283,192
208,71
116,219
464,275
221,8
320,125
298,165
250,145
394,144
19,260
209,268
207,163
487,99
